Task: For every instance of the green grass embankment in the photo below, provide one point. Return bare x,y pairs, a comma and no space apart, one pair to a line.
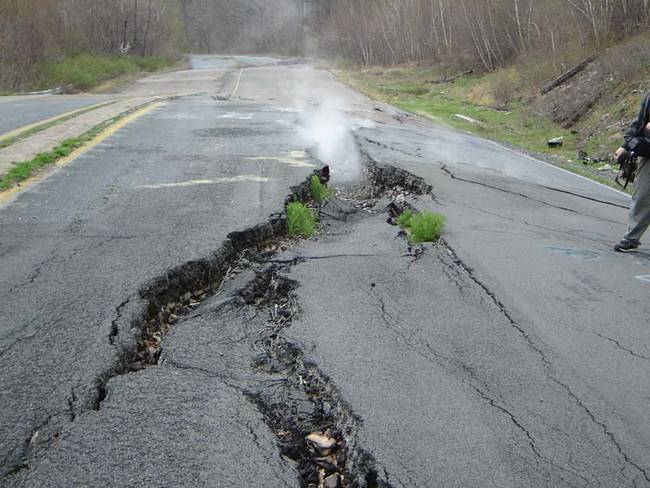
85,71
416,90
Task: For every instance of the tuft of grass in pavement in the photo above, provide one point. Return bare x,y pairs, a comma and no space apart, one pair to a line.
422,227
319,191
85,71
404,219
427,227
301,220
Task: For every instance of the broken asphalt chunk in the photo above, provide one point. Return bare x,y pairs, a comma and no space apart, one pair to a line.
322,443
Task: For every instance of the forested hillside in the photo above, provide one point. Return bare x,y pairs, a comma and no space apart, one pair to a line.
540,38
33,32
486,33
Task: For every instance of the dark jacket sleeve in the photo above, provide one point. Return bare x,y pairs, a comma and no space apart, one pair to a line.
636,140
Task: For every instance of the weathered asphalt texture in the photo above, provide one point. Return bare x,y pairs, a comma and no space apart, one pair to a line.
17,112
453,390
77,248
513,354
531,248
546,257
169,427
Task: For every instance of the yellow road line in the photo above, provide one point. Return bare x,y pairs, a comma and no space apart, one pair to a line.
27,128
8,195
106,133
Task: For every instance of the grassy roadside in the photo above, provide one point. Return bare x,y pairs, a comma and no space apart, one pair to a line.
25,169
8,141
85,71
419,90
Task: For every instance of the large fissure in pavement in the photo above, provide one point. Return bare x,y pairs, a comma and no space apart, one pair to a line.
170,296
322,443
316,429
141,322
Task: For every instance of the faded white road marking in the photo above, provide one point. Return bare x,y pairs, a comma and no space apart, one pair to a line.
212,181
645,278
236,115
276,108
294,158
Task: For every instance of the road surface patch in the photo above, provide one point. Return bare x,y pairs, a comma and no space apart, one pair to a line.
224,132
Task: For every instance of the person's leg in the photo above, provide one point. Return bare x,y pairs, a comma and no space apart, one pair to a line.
640,211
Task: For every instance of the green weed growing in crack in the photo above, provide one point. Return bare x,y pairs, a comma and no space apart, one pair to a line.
404,219
301,221
319,191
422,227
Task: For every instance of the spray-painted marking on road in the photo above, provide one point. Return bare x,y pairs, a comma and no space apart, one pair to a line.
645,278
576,253
213,181
295,158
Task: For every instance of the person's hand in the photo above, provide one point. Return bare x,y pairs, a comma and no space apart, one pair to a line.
647,130
619,155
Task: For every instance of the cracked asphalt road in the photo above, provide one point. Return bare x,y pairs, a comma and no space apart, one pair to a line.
164,190
514,355
453,389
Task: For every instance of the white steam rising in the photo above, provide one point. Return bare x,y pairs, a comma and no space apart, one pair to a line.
328,130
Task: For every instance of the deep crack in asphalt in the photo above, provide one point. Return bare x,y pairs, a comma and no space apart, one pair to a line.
297,398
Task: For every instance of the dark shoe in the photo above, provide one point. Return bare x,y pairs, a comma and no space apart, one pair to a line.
626,246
